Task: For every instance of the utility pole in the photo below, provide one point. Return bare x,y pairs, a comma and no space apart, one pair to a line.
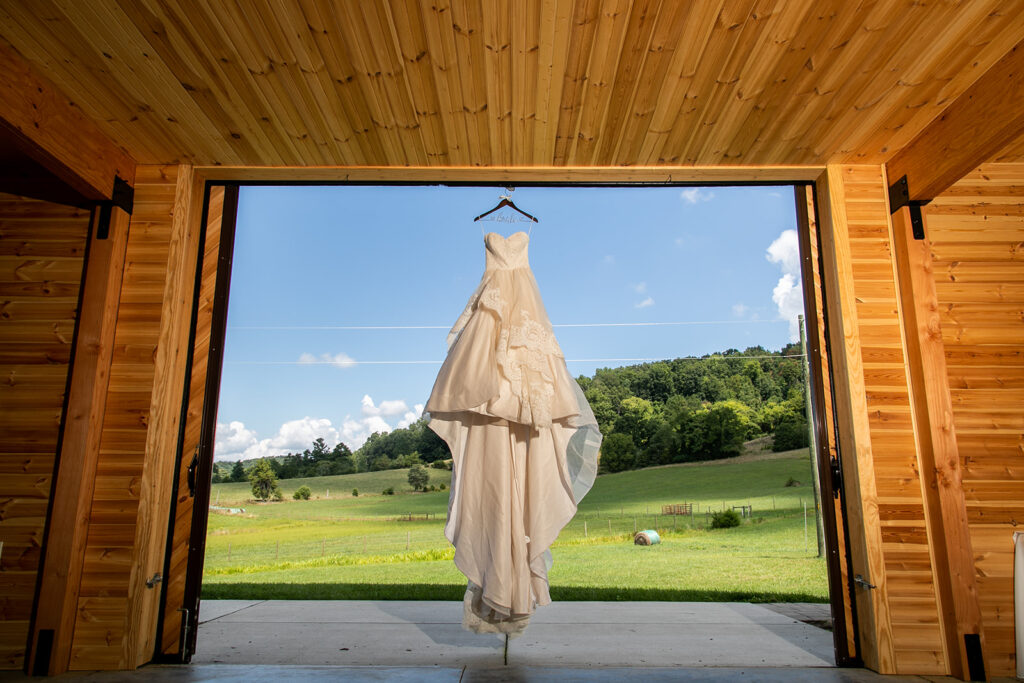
819,524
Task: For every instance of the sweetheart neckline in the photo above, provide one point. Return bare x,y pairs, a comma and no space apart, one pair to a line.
506,239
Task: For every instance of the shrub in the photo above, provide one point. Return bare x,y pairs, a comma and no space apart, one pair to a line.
441,464
442,487
389,491
792,482
302,493
725,519
355,493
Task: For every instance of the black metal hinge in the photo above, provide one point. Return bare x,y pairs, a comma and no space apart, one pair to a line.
123,197
899,196
837,477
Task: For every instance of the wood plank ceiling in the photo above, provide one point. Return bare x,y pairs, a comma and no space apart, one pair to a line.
513,83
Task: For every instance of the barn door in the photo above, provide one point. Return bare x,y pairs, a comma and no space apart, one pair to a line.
844,627
186,538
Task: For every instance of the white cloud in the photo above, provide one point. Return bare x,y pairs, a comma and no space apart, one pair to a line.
355,432
410,416
695,195
338,360
680,241
645,303
231,440
639,287
235,442
609,259
785,251
740,309
787,295
386,408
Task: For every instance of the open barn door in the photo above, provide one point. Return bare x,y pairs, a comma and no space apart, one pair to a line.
829,465
186,538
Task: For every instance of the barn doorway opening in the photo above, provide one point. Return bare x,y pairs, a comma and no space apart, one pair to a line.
691,393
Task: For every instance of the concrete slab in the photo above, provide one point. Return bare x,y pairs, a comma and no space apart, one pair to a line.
215,609
564,634
363,644
314,674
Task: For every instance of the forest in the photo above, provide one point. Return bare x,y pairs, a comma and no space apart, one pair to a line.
672,411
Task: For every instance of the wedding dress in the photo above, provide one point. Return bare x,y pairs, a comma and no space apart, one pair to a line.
523,439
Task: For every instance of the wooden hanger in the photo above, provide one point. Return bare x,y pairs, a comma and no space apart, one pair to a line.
506,200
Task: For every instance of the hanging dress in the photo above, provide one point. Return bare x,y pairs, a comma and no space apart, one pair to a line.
524,441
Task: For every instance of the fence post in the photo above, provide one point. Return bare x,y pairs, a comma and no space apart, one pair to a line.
584,528
609,526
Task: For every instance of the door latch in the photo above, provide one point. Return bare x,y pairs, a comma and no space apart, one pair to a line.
863,583
152,582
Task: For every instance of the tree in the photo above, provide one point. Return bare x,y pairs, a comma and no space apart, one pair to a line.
419,477
238,472
617,453
264,483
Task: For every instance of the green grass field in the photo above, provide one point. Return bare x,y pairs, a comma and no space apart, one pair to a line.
373,546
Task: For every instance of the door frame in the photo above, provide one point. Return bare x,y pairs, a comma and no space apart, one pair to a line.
803,179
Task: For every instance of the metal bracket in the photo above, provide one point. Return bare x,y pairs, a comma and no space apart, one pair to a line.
123,197
899,196
152,582
837,476
863,583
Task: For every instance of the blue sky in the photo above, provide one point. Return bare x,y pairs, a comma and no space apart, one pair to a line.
331,257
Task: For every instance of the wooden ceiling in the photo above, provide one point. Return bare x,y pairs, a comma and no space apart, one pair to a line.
512,83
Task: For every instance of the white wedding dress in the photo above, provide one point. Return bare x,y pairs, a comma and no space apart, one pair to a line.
523,439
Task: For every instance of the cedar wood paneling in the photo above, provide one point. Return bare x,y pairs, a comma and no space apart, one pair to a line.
99,638
976,231
917,643
42,248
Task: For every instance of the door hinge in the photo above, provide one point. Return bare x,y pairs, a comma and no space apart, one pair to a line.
152,582
837,476
186,622
191,478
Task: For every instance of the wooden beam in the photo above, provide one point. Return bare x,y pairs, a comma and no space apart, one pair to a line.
522,175
48,127
68,527
987,117
938,453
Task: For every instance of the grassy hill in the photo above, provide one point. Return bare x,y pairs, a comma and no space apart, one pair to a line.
368,547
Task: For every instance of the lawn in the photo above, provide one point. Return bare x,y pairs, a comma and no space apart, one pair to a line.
377,546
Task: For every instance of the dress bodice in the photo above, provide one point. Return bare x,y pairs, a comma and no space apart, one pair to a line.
504,253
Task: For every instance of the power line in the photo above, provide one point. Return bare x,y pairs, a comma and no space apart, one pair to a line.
347,363
447,327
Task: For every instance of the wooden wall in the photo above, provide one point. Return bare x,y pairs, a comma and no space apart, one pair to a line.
899,619
976,231
42,248
115,622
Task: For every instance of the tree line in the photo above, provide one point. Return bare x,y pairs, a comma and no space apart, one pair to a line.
690,409
672,411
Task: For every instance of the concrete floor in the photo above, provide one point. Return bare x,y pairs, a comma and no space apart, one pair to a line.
368,641
563,634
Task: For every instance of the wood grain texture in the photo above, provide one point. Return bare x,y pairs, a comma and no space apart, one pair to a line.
979,123
34,361
56,133
526,83
903,562
170,628
112,606
937,449
985,377
69,522
852,417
